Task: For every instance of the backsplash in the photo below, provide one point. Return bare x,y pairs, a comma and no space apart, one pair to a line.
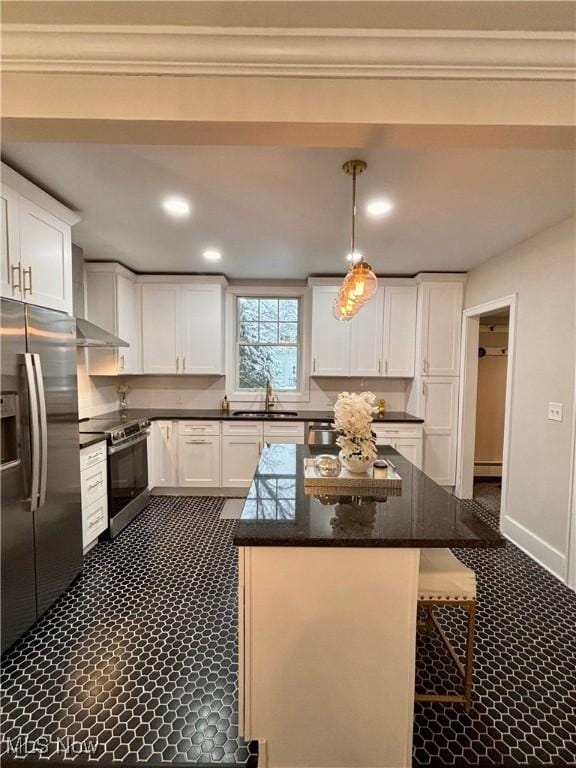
98,395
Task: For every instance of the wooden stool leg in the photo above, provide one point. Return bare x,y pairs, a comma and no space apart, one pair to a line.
469,657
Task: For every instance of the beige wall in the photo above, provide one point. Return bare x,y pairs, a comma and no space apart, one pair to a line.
541,271
490,402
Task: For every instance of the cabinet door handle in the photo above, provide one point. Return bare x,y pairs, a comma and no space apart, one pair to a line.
16,286
314,365
379,366
259,447
177,365
386,366
425,366
29,287
423,389
183,364
121,362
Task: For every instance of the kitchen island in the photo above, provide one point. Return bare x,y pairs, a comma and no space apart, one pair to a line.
327,611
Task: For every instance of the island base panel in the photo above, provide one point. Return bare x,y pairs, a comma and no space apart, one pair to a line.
327,654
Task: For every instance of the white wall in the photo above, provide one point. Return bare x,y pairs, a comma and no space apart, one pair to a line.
541,271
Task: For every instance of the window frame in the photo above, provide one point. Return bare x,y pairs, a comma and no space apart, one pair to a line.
256,396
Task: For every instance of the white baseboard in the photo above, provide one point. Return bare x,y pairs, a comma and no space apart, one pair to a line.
544,554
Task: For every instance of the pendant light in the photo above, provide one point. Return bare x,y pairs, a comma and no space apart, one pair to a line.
360,284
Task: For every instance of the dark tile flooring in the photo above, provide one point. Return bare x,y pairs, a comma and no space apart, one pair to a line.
137,662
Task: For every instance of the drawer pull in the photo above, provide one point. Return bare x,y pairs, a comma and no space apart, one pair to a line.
192,442
94,485
95,521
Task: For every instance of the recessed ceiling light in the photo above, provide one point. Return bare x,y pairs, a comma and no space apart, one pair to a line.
354,257
380,207
212,254
176,206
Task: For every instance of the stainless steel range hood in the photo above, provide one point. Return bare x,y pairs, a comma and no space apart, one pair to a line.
90,335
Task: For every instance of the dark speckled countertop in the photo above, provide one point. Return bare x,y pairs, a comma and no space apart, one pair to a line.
278,513
217,415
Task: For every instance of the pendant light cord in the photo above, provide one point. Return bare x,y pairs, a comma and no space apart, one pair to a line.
353,215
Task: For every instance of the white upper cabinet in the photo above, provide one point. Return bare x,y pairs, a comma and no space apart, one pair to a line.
10,270
45,257
183,328
366,332
36,246
202,329
441,319
330,337
128,324
161,328
399,330
113,303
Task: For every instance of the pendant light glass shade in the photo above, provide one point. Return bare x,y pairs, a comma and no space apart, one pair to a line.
360,283
358,287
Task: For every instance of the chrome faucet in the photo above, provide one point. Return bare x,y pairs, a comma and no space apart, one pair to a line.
270,398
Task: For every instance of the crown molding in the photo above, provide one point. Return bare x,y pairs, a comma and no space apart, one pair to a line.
275,52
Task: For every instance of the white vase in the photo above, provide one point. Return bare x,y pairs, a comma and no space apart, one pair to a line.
355,465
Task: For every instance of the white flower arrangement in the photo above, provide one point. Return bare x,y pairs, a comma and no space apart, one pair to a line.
353,421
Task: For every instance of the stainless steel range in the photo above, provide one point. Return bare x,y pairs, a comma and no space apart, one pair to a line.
127,466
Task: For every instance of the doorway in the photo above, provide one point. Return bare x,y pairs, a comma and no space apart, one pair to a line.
485,404
490,407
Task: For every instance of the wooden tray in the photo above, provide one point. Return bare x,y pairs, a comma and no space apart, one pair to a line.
379,481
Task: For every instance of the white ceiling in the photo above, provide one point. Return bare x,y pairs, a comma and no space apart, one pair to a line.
284,212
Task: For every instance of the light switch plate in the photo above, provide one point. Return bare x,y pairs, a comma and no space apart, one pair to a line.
555,411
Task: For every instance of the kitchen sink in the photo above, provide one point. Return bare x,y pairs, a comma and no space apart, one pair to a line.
267,414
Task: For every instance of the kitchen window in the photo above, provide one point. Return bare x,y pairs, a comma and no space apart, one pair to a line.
268,342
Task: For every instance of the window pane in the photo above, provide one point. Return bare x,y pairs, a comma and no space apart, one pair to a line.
288,309
269,333
248,332
285,373
248,310
268,310
288,333
256,364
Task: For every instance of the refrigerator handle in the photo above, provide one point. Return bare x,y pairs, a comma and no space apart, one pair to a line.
43,428
34,428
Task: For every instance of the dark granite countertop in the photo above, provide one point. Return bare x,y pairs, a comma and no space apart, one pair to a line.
278,513
87,440
216,415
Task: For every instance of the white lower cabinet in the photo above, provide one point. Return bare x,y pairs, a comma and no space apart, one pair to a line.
407,440
241,448
94,492
198,462
440,413
284,432
165,450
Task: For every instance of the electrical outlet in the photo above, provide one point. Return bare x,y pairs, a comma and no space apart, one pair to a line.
555,411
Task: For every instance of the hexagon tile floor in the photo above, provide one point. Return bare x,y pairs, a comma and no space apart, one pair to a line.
137,662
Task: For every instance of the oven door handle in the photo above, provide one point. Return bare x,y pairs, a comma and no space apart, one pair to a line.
128,443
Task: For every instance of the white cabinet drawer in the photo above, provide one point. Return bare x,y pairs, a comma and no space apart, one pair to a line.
198,428
92,455
291,431
94,520
391,431
93,483
245,428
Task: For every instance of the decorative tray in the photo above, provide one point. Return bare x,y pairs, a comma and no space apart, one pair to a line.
376,481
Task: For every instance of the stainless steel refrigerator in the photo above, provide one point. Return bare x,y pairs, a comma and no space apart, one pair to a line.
41,517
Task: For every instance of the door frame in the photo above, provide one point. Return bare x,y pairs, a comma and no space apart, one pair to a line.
469,396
